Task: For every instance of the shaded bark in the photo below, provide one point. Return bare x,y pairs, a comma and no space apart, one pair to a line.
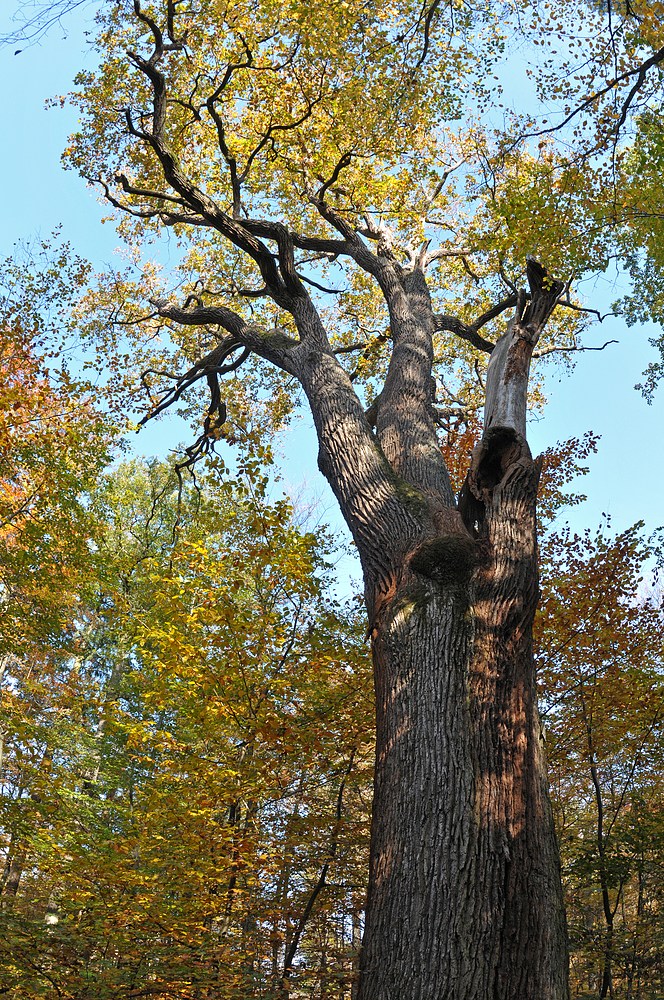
517,854
465,897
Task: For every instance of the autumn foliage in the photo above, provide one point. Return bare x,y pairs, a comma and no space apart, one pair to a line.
187,764
187,731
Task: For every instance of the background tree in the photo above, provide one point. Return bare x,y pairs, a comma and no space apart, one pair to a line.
52,444
193,762
53,441
601,668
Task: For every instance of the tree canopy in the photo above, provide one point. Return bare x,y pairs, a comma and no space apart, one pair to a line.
356,194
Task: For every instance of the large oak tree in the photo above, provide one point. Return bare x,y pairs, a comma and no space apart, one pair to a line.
366,154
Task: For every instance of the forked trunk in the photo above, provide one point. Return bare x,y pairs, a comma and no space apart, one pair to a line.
465,897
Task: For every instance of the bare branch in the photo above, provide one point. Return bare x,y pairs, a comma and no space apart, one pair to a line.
382,234
203,316
34,26
506,281
545,293
230,160
442,416
495,311
478,376
211,364
153,26
640,72
129,188
138,213
554,350
567,304
344,162
321,288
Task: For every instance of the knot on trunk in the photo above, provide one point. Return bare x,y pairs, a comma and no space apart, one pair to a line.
447,559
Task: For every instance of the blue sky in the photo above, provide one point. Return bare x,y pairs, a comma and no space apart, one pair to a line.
626,479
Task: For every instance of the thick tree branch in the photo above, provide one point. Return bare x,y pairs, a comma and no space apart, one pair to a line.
426,19
469,332
268,230
442,416
356,469
443,253
452,324
275,345
130,188
404,419
137,213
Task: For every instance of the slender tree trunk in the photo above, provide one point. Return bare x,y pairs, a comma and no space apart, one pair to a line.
606,987
633,966
356,940
13,871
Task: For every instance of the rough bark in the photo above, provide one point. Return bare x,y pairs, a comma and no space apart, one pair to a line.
423,839
465,899
517,855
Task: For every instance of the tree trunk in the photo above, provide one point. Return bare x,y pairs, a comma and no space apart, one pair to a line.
13,872
465,898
